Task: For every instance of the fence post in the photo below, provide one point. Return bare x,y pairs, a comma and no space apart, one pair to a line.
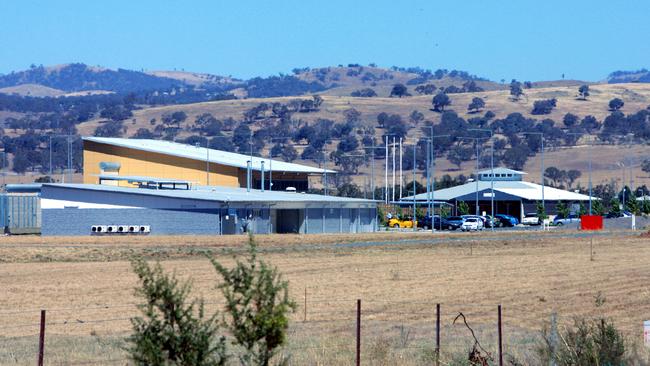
437,334
500,338
41,340
305,318
358,363
553,338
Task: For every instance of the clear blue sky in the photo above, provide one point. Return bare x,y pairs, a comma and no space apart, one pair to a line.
523,39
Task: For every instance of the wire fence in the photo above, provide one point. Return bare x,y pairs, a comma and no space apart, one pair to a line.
322,331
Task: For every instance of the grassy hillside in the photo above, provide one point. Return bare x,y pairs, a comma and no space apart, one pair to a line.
608,159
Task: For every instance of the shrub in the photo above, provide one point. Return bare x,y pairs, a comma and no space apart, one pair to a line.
257,302
172,331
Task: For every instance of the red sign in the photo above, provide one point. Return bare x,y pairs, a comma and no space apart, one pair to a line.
591,222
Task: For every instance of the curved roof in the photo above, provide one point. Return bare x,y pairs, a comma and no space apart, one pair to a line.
524,190
201,153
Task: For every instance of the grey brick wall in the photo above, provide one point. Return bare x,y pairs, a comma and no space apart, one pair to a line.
73,221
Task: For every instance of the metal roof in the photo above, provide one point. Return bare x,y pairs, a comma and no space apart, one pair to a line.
201,153
141,179
501,170
213,193
525,190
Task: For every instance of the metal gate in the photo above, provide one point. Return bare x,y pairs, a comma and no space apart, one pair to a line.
20,214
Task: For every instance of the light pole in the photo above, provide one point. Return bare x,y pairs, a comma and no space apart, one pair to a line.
476,139
541,136
591,145
491,169
433,184
69,154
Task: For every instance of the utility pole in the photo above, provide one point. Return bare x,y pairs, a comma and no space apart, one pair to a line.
393,187
414,191
433,187
590,145
386,173
401,180
491,170
541,136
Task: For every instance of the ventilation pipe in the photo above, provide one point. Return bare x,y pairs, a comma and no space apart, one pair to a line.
262,171
248,175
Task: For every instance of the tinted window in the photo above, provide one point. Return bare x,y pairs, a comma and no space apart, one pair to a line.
454,218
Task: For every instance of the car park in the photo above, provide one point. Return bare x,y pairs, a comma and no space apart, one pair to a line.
472,224
531,219
560,220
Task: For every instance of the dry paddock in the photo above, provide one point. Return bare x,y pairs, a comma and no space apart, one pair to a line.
87,287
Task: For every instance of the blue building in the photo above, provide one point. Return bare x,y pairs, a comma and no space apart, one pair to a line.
87,209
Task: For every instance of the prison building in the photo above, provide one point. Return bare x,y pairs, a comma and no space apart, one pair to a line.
105,157
93,209
512,195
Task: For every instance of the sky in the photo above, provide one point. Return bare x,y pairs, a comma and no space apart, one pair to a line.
504,39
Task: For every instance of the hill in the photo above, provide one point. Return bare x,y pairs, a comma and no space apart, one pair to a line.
80,77
638,76
636,97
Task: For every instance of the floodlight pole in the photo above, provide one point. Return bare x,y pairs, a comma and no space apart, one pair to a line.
541,136
386,173
393,188
433,185
491,170
590,144
478,213
414,191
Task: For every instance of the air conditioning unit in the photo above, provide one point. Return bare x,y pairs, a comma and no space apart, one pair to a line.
145,229
123,229
111,229
134,229
93,229
102,229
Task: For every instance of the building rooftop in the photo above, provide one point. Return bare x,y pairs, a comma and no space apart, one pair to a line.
213,193
201,153
524,190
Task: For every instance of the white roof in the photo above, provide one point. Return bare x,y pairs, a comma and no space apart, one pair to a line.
501,170
201,153
212,193
524,190
643,198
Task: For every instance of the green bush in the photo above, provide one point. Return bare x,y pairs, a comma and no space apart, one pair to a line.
257,304
586,343
172,331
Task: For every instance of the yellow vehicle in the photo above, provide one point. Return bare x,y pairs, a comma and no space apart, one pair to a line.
399,223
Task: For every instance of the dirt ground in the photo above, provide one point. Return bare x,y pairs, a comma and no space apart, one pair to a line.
87,285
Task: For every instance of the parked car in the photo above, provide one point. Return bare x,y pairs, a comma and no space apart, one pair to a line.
438,223
484,219
489,221
560,220
531,219
455,222
507,220
472,224
399,223
613,215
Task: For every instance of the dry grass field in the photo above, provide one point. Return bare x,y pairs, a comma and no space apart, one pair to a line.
87,286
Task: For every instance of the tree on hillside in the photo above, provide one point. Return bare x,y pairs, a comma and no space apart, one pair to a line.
440,101
544,106
553,174
583,90
645,166
616,104
416,117
516,157
364,93
241,138
399,90
572,175
590,124
476,105
515,90
458,154
426,89
570,120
